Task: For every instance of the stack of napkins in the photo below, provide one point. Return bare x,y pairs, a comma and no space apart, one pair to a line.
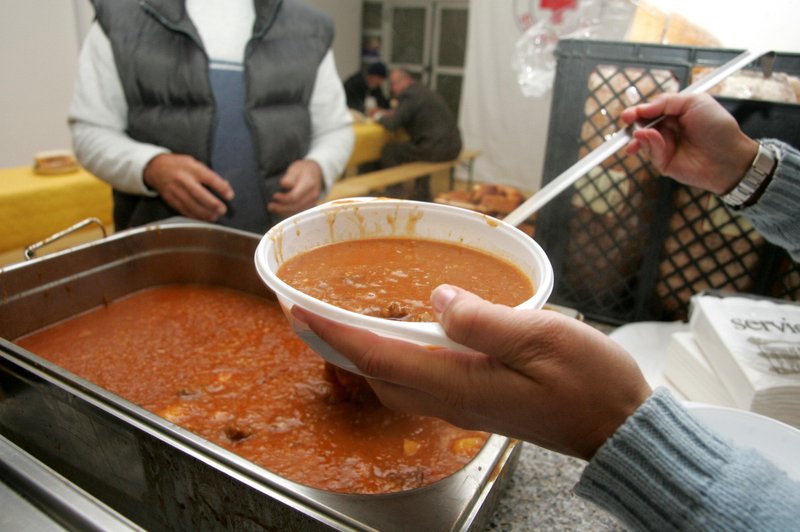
741,352
688,370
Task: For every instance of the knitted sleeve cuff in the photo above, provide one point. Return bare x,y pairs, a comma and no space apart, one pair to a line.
775,213
664,470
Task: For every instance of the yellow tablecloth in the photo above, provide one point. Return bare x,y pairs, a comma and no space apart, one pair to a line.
33,207
369,142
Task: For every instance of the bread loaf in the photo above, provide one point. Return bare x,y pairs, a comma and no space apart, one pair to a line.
752,85
611,90
54,162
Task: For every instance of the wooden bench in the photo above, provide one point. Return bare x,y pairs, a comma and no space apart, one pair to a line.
366,184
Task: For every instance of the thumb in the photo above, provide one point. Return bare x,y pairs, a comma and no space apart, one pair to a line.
289,179
486,327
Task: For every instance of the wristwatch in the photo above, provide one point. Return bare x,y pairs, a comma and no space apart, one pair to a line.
759,171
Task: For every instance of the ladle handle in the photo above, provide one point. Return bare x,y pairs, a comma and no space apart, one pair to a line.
620,139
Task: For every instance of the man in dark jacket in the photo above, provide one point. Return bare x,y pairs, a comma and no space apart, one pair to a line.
363,85
424,115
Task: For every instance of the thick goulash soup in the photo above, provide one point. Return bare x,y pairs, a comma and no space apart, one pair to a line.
226,365
393,277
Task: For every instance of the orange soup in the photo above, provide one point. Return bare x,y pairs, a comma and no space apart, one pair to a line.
227,366
393,277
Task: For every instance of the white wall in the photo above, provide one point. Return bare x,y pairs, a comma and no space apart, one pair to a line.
38,57
347,43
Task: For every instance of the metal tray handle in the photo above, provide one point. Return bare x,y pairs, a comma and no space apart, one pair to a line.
31,250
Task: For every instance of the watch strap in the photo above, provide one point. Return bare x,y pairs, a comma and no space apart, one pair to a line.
760,169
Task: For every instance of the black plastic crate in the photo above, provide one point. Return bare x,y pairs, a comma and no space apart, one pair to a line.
626,244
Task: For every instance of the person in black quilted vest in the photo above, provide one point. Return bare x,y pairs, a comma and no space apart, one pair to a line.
224,111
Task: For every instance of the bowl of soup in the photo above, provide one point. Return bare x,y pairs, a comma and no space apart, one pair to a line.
373,262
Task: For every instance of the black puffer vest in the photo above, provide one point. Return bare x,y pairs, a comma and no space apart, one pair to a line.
164,73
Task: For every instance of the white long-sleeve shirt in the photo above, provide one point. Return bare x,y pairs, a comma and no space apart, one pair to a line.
98,112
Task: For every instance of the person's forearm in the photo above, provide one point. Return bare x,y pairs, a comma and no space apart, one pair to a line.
389,119
98,120
114,157
662,470
332,135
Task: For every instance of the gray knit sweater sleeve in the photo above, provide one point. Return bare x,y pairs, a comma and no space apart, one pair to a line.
662,470
775,214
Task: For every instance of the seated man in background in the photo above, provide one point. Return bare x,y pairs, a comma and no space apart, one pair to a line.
222,111
368,84
425,116
431,127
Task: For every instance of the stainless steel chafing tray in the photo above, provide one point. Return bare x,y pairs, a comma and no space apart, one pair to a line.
150,470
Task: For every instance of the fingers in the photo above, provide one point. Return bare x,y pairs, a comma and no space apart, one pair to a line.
658,142
650,110
302,184
654,144
191,199
422,403
407,399
375,356
467,389
205,176
197,200
668,104
181,181
399,362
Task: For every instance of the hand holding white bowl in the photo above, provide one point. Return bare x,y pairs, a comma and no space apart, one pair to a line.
537,375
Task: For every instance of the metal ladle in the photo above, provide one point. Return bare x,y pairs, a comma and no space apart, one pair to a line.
621,138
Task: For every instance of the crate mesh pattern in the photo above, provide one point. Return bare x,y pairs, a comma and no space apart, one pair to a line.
627,244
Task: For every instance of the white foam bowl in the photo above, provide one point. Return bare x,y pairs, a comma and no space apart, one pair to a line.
360,218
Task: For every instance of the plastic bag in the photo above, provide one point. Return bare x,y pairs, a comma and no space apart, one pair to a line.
533,59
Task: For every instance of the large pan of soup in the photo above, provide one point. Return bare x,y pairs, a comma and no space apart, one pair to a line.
154,369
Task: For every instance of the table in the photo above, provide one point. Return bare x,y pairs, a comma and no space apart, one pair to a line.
370,138
33,206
